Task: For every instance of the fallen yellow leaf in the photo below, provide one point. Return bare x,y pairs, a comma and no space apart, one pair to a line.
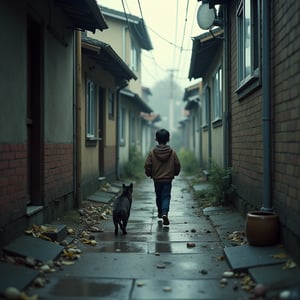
281,255
67,263
290,264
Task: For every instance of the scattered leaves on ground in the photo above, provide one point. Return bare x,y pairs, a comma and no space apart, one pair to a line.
238,237
281,255
290,264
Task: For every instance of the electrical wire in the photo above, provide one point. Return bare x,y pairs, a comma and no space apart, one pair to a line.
176,47
183,34
175,36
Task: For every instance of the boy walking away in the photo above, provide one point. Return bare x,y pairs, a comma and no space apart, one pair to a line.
162,165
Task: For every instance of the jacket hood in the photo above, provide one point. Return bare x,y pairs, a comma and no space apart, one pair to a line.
162,152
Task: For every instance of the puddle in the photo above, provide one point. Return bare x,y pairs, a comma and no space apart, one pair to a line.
71,287
126,247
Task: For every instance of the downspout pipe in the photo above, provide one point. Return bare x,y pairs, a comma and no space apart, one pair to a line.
74,120
266,88
77,111
226,73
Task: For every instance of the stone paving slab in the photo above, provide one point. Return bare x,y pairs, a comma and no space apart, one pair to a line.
15,275
183,290
140,265
228,220
201,187
89,288
183,236
199,227
112,190
39,249
246,256
183,247
281,278
101,197
125,247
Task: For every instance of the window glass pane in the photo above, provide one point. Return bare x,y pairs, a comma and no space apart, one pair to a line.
217,92
203,110
134,58
247,38
122,126
90,102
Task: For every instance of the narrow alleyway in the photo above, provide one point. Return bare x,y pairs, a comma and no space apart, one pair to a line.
181,261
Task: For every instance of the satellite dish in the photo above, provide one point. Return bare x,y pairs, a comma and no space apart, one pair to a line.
206,16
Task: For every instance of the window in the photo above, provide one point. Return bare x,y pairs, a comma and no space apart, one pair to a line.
133,57
111,105
217,95
248,42
122,126
205,108
90,110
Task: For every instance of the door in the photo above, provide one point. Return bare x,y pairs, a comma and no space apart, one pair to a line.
34,113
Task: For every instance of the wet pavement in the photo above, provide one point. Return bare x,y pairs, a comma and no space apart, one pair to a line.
185,260
181,261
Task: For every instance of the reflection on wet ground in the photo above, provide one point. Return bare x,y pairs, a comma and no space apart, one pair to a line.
184,257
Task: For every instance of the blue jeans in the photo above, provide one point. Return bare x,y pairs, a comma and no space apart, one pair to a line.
163,196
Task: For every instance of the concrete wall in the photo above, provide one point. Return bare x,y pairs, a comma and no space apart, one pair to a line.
56,102
13,72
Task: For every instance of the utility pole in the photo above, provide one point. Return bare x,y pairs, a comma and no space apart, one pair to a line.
171,101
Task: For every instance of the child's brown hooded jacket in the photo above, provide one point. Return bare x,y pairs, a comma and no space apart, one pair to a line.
162,163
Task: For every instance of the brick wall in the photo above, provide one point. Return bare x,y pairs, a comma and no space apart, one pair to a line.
286,114
13,181
58,170
246,135
247,128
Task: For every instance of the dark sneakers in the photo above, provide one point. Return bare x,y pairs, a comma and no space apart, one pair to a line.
165,220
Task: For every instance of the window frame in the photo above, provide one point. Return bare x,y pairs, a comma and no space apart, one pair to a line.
205,108
217,93
91,107
122,138
248,80
134,61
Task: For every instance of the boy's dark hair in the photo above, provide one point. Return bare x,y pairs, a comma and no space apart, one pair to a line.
162,136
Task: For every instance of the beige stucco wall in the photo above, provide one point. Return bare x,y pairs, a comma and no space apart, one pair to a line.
90,154
118,36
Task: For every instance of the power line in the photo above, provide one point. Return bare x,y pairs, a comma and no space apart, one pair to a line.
175,36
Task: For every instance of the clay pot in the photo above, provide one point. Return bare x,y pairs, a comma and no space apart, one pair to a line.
262,228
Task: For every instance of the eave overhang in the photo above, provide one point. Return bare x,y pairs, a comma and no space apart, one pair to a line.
138,100
204,50
84,14
104,55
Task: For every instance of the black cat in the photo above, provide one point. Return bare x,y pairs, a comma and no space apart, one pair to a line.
121,210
